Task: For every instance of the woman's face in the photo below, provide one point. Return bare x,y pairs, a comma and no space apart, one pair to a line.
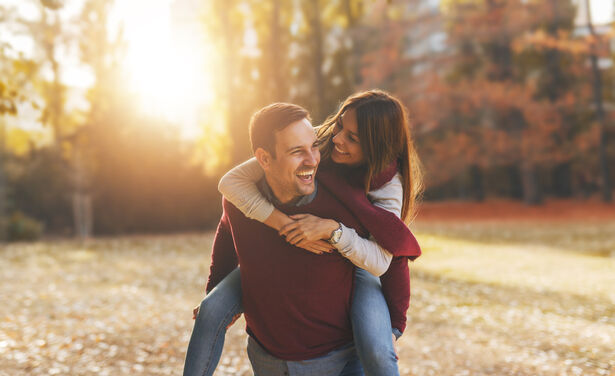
347,147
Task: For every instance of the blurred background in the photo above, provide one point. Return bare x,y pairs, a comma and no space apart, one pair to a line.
119,117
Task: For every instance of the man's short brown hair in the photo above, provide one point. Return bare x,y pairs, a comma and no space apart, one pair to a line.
271,119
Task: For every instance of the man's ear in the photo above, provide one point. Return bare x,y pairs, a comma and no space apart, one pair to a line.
263,157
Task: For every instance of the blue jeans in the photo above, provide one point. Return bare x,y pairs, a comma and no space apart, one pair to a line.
369,315
371,326
215,314
339,362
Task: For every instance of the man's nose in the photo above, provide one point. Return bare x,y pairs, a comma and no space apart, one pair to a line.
312,158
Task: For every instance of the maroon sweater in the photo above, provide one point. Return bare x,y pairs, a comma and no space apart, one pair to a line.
296,303
391,233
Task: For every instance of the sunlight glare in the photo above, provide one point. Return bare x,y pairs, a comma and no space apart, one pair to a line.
166,65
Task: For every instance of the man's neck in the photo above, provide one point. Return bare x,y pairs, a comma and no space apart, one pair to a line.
278,197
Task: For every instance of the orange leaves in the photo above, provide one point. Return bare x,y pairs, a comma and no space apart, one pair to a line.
563,41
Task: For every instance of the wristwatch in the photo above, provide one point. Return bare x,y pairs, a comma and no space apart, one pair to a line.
336,235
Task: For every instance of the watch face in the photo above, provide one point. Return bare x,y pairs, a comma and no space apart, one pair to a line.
335,237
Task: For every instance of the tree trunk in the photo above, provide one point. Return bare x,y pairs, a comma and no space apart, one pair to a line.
55,97
355,72
532,194
319,79
515,182
275,48
3,196
82,215
556,78
233,124
562,178
82,200
476,183
602,157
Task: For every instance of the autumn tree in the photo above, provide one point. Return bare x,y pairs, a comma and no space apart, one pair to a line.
490,107
16,77
607,195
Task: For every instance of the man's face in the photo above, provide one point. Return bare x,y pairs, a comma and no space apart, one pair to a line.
291,173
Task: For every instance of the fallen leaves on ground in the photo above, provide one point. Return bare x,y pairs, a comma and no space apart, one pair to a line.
123,306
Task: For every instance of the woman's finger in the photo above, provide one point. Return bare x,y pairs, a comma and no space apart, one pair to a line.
309,246
316,247
325,245
322,246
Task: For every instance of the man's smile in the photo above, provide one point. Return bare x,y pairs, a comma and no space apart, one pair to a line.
306,176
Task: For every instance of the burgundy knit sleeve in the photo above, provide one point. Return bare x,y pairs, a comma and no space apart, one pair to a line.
223,256
396,290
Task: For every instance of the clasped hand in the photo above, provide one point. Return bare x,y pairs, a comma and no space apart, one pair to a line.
309,232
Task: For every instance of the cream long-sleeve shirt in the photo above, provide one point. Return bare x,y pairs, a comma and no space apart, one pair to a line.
239,187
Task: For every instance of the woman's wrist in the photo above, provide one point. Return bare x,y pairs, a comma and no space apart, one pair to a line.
277,220
330,226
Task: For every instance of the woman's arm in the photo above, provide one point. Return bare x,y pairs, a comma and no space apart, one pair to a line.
364,253
369,253
238,186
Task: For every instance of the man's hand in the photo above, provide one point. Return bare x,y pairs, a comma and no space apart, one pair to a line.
195,312
307,227
395,346
233,320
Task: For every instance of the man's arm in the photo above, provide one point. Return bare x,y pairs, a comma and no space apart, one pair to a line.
396,290
223,256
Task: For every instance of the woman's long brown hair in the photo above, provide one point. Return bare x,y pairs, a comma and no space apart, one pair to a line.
384,135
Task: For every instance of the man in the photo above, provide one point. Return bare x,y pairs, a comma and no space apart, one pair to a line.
296,303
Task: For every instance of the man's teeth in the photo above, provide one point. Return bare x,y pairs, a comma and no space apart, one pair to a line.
306,173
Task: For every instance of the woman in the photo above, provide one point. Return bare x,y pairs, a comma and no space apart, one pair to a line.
369,138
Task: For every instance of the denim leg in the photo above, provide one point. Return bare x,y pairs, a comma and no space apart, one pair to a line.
371,327
353,368
215,314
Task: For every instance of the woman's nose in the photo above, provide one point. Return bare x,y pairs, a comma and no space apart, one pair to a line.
337,138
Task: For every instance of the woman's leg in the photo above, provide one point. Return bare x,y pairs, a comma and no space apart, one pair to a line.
215,314
371,326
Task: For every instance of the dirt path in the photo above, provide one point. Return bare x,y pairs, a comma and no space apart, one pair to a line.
123,307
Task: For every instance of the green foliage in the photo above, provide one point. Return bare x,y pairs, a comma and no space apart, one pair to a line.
39,186
21,227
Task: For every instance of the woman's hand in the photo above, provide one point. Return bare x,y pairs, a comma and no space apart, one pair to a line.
318,247
307,227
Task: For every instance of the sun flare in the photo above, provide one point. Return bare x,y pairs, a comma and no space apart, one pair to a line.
166,65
